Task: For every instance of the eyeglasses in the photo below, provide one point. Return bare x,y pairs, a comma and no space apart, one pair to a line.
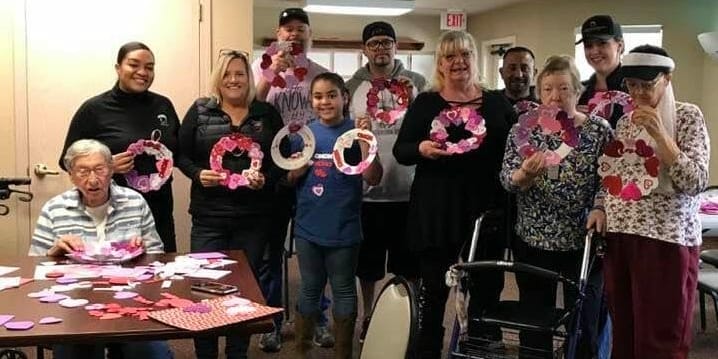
641,85
234,53
375,44
84,172
465,55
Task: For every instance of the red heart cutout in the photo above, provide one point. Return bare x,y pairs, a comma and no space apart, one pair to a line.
613,149
296,49
266,61
631,192
643,149
279,82
652,165
613,184
299,73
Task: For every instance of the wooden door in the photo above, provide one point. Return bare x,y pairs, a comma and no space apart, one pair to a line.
69,55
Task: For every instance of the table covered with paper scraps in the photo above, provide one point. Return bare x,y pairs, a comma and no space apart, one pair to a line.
708,213
111,307
214,313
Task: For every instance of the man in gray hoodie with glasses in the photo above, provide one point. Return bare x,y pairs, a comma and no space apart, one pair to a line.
382,90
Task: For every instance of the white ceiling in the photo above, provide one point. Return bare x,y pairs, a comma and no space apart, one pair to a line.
425,7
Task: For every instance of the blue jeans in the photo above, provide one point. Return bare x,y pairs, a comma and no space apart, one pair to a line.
130,350
317,264
248,233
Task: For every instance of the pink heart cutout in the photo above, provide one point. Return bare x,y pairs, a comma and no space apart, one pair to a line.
6,318
95,306
125,295
73,303
50,320
19,325
65,280
41,294
318,190
53,298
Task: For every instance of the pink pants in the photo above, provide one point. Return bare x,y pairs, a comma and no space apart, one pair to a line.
651,289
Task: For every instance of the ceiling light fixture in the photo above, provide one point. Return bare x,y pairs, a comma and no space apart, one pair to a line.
360,7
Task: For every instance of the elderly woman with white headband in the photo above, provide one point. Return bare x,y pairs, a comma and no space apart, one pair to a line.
654,172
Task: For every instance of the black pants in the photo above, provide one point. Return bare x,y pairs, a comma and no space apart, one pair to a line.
249,233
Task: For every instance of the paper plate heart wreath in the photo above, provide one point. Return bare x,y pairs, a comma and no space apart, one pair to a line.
551,121
292,76
629,167
398,104
304,156
602,103
164,163
345,141
458,116
230,144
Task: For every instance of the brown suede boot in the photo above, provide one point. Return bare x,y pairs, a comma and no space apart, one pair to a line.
344,337
304,331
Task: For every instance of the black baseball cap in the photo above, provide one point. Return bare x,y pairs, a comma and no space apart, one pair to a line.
378,28
600,27
293,13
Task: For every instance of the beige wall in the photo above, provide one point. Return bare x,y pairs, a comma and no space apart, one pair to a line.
231,26
547,27
419,27
8,223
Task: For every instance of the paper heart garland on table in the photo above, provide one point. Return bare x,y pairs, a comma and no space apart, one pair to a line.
292,76
547,121
629,167
230,144
164,163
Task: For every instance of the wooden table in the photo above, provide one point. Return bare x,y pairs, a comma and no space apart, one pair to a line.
79,327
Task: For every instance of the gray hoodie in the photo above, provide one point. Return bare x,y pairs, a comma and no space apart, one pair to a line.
396,181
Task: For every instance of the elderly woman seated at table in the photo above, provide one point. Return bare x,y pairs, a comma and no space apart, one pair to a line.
96,210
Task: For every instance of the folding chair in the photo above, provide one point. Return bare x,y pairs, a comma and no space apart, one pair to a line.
394,325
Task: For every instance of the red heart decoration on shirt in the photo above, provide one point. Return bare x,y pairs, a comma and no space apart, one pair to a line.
613,149
296,49
605,166
631,192
299,73
612,184
279,82
643,149
266,61
652,165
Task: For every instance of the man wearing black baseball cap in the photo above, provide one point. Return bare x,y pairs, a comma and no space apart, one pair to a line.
294,105
385,206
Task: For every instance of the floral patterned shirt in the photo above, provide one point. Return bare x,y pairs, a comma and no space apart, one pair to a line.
552,212
669,217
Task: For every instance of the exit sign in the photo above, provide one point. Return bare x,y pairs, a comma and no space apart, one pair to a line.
453,20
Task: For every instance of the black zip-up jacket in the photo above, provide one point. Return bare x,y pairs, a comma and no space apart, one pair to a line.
203,125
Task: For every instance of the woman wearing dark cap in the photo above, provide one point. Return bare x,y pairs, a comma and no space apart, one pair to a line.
125,114
603,46
651,261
